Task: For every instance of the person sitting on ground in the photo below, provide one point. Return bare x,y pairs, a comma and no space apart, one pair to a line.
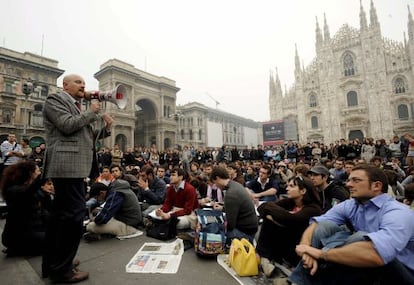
151,191
242,221
330,192
162,173
180,201
235,173
24,231
120,215
106,176
97,195
409,195
363,240
264,188
284,222
118,173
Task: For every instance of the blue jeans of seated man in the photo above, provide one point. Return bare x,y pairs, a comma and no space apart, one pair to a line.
235,233
330,235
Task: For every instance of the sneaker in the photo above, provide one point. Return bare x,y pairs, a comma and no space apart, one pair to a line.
136,234
90,237
267,266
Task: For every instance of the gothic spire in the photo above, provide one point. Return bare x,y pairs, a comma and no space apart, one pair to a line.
297,61
362,18
373,16
410,25
319,38
326,34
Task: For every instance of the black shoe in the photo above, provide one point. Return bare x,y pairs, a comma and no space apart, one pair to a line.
90,237
45,270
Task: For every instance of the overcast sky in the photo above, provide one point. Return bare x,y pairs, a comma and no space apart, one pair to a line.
221,48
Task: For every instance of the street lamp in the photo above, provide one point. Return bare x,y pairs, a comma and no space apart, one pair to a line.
27,89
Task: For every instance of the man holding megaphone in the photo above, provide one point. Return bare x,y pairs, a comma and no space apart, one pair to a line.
70,158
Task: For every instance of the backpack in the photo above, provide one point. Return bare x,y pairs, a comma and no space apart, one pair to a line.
210,233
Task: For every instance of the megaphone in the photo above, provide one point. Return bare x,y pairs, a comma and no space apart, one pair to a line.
116,96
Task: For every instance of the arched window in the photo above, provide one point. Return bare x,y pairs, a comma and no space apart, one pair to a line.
182,134
312,100
190,133
352,98
199,134
349,68
399,86
402,112
314,122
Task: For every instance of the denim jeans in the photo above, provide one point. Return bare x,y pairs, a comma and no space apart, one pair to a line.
330,235
235,233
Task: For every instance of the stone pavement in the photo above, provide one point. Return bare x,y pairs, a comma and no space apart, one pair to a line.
105,260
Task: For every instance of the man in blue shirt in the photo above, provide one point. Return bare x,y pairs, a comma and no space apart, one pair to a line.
361,240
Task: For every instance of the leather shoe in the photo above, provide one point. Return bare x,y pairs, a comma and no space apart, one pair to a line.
74,276
75,264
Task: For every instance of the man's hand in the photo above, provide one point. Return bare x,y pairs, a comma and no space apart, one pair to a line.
143,184
108,120
160,213
310,256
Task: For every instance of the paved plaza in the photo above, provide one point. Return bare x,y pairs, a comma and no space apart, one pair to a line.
105,260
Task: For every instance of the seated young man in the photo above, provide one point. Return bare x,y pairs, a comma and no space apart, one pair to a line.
180,201
361,240
264,188
120,215
242,221
151,190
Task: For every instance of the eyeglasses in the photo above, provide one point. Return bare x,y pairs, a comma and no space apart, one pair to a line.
355,180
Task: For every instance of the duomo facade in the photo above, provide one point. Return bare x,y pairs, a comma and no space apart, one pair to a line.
359,84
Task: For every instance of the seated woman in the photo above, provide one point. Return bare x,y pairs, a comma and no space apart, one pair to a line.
284,222
24,231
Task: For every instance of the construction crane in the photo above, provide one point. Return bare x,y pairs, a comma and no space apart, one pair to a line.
215,101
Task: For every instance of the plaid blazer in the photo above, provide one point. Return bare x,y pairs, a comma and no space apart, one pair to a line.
70,138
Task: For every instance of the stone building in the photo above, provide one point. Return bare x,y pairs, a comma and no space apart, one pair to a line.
20,113
359,84
148,116
201,126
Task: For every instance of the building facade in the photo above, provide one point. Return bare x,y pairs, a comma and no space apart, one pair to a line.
359,84
201,126
148,116
22,113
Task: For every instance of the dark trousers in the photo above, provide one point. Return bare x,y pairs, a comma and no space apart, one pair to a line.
277,242
65,229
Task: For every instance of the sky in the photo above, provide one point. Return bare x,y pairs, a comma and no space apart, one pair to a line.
216,51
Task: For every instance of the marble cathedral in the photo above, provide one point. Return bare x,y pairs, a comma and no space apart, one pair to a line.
359,84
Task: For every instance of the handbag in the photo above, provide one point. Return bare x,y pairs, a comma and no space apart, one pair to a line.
162,229
242,258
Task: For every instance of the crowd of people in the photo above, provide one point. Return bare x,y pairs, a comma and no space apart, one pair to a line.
334,214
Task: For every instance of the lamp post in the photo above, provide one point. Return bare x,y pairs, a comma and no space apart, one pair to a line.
27,89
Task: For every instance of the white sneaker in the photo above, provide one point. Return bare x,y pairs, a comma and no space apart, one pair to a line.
136,234
267,266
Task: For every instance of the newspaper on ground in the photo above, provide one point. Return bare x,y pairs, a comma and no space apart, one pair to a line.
157,257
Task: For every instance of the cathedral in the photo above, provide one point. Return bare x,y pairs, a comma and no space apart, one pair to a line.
358,85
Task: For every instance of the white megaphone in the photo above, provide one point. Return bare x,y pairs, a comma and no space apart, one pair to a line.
116,96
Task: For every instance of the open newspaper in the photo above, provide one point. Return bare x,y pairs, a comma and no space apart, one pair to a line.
157,257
